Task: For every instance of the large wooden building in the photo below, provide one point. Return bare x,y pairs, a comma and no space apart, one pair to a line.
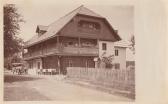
72,41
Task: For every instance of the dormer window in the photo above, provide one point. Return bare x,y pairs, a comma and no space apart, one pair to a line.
41,29
89,25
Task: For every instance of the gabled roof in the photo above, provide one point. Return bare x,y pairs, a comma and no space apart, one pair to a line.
55,27
122,43
85,11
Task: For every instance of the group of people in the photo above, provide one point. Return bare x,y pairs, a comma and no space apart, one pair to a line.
19,69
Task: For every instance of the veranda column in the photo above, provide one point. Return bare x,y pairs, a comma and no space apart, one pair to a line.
58,44
79,40
59,67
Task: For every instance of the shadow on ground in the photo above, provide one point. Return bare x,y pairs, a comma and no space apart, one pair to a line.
18,78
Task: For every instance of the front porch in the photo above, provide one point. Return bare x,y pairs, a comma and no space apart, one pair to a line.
52,65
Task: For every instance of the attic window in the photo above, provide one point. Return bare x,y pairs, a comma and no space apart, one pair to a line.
89,25
41,30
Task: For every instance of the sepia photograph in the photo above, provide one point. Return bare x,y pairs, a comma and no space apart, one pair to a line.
74,52
84,52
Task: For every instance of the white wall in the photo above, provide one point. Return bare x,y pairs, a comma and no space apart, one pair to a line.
110,48
121,58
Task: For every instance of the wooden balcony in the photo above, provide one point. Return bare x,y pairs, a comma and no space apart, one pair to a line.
81,50
62,50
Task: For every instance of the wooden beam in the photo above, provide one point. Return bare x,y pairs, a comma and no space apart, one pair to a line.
79,40
59,66
97,43
58,39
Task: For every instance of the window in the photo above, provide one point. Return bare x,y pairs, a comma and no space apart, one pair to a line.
116,52
108,65
104,46
89,24
117,66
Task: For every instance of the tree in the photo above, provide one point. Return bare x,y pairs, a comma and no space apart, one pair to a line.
108,61
11,26
12,43
132,40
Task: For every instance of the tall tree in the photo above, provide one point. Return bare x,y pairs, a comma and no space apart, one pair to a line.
12,42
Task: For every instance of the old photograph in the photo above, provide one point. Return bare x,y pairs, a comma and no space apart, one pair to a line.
74,52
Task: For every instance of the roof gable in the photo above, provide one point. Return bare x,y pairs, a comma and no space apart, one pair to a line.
56,26
85,11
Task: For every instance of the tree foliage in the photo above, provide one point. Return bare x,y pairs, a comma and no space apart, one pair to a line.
12,42
108,61
132,40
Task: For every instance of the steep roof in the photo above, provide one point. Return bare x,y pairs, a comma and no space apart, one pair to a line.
55,27
85,11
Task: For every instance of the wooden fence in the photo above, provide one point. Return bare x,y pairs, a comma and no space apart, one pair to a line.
120,79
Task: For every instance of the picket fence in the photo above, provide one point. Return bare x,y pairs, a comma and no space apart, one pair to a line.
120,79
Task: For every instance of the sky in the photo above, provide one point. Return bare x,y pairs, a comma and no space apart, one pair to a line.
45,12
38,12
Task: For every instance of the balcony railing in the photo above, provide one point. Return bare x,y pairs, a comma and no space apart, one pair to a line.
63,50
81,50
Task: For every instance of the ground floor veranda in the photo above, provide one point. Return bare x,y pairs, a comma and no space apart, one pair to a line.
57,64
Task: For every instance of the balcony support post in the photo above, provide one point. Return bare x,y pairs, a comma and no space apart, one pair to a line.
58,39
97,43
59,66
79,41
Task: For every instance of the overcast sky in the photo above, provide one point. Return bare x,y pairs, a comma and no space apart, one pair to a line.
38,12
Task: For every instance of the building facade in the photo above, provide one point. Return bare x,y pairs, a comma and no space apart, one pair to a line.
120,58
74,40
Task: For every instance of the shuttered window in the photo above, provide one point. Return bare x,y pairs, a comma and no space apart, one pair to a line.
116,52
104,46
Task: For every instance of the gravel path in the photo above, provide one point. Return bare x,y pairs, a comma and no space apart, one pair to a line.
33,88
